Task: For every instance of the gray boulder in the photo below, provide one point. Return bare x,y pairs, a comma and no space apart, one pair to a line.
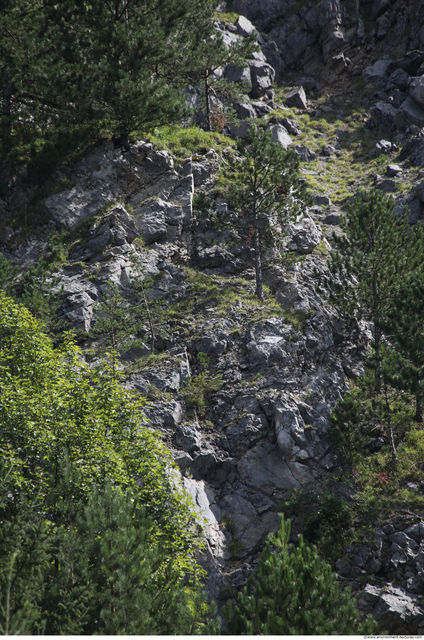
261,108
296,98
304,236
399,611
273,56
244,110
413,205
416,90
292,297
305,154
332,219
409,113
240,129
399,79
244,27
322,201
393,170
213,257
154,218
241,75
262,77
383,117
383,147
280,135
291,125
413,150
376,74
410,63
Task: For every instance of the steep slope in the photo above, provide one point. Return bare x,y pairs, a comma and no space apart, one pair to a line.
242,391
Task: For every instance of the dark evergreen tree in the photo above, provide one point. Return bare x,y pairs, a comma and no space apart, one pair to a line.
25,547
378,250
210,53
125,60
405,324
293,592
111,578
266,191
20,24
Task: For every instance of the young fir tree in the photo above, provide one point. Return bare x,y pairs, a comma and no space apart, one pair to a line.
266,191
405,324
111,578
377,252
210,54
25,547
367,415
293,592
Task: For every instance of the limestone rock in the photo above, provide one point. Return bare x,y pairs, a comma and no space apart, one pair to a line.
303,236
416,90
280,135
262,77
383,117
241,75
376,74
409,113
244,26
70,208
296,97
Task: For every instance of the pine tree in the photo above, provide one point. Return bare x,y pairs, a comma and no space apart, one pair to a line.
24,557
293,592
266,191
378,250
111,578
125,60
405,324
209,54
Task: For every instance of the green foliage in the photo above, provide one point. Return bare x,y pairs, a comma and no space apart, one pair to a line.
377,252
184,142
197,390
326,518
25,548
114,577
405,323
35,289
90,566
266,191
51,403
293,592
370,417
8,273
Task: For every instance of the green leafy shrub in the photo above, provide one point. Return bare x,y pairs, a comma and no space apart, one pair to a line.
51,402
197,390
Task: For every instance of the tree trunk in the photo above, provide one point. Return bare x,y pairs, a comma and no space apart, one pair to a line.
419,407
258,264
377,348
124,141
208,106
390,428
7,124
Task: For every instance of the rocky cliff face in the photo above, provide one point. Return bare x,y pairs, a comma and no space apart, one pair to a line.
350,91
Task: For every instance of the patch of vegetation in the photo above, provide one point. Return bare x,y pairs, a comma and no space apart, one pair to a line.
326,519
226,16
184,142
